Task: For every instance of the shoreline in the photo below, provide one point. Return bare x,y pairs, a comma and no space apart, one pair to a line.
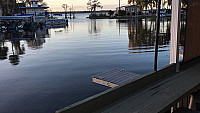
126,17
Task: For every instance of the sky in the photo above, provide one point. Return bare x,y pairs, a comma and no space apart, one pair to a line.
81,5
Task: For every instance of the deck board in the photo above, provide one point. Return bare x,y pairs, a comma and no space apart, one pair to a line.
159,96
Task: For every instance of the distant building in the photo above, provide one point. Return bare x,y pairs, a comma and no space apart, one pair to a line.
146,12
37,11
131,10
34,9
121,8
165,12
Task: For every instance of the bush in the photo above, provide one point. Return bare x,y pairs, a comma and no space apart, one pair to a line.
122,13
110,12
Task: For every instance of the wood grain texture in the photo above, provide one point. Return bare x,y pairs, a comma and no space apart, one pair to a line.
192,42
159,97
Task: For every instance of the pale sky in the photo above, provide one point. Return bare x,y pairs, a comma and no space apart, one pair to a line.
56,5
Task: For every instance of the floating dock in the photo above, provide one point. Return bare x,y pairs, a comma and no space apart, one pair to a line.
115,77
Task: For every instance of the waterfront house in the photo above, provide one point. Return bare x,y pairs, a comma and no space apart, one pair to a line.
146,12
35,10
120,8
131,10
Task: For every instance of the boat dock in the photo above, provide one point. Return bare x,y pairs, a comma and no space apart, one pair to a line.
114,78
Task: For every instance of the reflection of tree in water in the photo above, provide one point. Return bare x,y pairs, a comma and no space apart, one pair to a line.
42,33
36,44
17,50
93,28
39,39
3,51
141,34
35,40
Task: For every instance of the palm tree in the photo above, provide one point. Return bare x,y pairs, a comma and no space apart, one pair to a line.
184,3
93,5
168,2
142,3
131,1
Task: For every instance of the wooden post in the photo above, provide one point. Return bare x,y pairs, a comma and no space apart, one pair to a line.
156,39
175,33
194,100
191,105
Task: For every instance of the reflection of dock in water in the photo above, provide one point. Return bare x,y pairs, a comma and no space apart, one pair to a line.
114,78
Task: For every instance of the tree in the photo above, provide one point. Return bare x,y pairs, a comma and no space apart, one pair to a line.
110,12
28,2
142,3
11,7
93,5
1,3
8,7
167,2
65,8
184,3
131,1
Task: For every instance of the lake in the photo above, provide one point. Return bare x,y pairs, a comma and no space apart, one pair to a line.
50,68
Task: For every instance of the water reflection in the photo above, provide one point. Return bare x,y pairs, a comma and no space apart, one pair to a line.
34,39
3,51
70,57
141,34
93,28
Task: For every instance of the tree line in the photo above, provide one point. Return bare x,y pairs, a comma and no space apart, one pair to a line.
145,4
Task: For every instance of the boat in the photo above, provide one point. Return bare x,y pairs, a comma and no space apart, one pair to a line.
55,21
57,14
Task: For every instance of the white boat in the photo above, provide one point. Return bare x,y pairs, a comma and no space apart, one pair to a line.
55,21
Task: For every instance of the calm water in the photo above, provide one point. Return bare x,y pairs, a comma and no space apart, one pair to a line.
46,70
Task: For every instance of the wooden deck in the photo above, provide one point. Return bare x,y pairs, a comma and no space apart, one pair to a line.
151,93
160,97
114,77
185,110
